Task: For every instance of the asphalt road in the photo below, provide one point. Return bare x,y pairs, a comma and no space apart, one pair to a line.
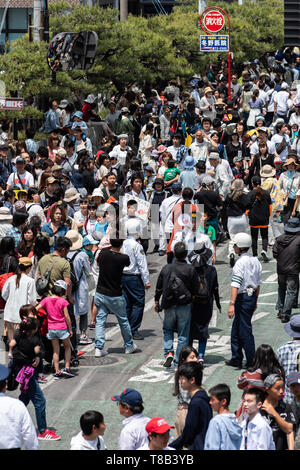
99,379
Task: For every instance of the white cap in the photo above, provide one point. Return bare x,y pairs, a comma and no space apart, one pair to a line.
61,283
242,240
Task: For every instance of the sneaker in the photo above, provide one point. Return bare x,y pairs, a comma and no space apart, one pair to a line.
79,353
68,373
100,352
264,257
42,379
85,340
48,435
169,360
92,325
131,350
201,361
58,375
232,260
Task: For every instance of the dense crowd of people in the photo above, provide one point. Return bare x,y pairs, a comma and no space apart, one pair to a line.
185,165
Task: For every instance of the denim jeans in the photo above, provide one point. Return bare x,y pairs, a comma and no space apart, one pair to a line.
241,332
116,305
35,394
134,293
176,318
287,292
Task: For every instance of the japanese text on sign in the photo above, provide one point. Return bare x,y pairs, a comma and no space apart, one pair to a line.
214,43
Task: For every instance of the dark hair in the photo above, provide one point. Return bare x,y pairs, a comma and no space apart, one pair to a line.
221,391
92,206
206,119
192,370
31,192
21,269
7,247
19,218
8,194
62,243
116,242
257,392
171,163
35,223
29,133
135,176
135,409
28,324
22,247
266,360
187,193
180,250
25,310
183,355
131,202
89,419
177,136
43,152
41,246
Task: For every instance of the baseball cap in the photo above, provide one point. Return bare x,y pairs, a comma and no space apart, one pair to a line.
263,129
61,283
89,240
51,180
293,378
130,396
20,160
271,379
149,168
158,425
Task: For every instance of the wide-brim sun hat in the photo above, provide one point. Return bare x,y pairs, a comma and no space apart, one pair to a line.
189,162
75,238
292,328
291,161
71,195
207,90
292,225
267,171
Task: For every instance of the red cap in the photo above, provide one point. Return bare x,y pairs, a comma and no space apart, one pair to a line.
158,425
99,153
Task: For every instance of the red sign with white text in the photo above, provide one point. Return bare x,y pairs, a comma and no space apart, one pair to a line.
214,21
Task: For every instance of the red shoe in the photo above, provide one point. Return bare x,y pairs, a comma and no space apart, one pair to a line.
80,353
48,435
168,360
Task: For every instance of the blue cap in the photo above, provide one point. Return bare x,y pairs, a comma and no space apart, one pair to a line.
129,396
4,372
78,114
89,240
176,186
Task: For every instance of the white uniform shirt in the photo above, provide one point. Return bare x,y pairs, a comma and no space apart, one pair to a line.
260,435
133,434
246,273
79,443
138,260
16,426
166,209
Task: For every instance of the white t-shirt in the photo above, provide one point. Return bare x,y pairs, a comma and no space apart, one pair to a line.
26,178
276,139
79,443
283,102
254,148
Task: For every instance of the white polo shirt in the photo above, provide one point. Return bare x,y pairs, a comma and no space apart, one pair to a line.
133,434
246,273
16,426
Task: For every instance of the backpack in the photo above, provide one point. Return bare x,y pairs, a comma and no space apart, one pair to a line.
43,281
177,293
74,280
203,293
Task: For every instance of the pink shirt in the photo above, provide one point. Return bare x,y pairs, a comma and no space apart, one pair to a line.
55,309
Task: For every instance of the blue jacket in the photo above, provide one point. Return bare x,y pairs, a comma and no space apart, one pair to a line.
196,423
224,433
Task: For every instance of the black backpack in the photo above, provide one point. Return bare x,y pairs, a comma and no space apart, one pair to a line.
74,280
177,293
203,295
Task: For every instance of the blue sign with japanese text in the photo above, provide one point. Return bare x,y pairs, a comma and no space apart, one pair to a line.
214,43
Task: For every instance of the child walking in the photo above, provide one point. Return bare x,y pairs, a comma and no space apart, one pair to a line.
26,352
59,326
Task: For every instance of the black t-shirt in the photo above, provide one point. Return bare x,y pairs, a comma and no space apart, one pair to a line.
210,199
111,265
285,412
23,352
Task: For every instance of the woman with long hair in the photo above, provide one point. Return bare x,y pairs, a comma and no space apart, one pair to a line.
53,146
56,227
259,211
255,104
236,205
26,245
265,362
18,290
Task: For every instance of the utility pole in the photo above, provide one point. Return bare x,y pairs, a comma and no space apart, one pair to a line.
123,10
201,6
37,11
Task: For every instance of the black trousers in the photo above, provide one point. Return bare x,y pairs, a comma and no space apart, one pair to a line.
264,235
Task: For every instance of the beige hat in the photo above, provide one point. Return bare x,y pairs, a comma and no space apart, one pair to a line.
71,194
207,90
220,101
97,193
267,171
291,161
76,239
56,168
61,152
5,214
25,261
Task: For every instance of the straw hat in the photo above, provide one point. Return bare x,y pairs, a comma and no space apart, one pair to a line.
25,261
289,162
207,90
220,102
75,238
267,171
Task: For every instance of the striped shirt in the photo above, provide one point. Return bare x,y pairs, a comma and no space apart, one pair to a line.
246,273
288,357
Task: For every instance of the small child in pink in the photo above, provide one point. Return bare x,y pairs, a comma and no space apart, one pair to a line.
59,326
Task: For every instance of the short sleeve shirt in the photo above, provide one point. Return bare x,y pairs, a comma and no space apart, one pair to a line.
61,268
285,412
55,310
171,173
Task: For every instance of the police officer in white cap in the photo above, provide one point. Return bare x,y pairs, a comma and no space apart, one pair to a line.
135,280
245,287
16,426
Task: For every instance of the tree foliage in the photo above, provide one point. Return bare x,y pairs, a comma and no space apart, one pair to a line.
155,48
